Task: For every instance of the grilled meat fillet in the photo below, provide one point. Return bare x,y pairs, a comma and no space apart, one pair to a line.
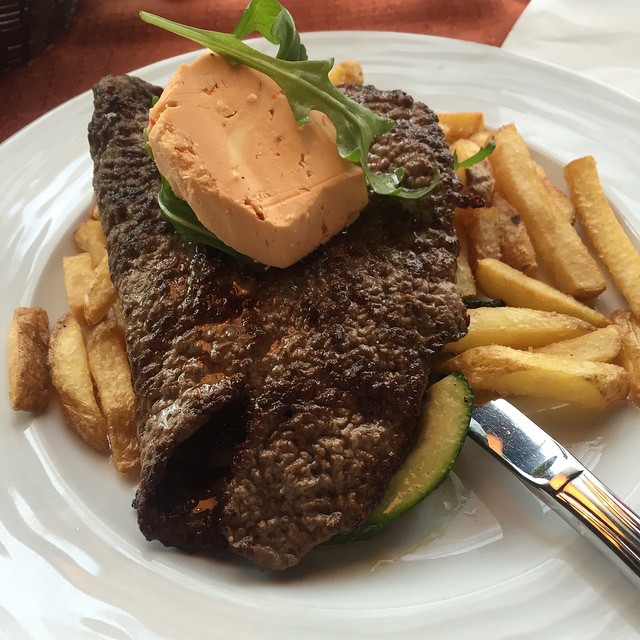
274,405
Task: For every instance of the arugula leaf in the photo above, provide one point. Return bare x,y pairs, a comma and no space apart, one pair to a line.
189,228
275,23
304,82
477,157
385,187
307,87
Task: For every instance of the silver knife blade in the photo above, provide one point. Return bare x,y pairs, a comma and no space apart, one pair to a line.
561,481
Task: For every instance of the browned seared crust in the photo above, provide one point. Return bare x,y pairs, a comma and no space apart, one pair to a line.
294,392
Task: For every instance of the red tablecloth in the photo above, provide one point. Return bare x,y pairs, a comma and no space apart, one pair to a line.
107,36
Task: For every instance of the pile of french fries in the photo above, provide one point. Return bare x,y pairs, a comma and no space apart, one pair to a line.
524,248
84,358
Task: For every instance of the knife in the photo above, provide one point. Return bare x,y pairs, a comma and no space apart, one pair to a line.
560,481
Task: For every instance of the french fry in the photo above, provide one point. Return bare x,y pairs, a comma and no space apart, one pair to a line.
518,328
556,242
480,181
508,371
630,357
477,179
29,378
112,376
464,277
78,271
461,125
603,229
89,237
347,72
515,244
481,226
463,149
499,280
71,378
482,137
602,345
561,200
100,293
95,214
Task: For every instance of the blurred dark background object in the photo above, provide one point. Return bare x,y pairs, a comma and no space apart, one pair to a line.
108,37
28,26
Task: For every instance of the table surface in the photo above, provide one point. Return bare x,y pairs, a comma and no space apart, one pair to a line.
109,37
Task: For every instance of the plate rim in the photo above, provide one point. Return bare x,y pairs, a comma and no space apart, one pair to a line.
81,98
319,35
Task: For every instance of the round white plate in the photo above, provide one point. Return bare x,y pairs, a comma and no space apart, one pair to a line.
481,558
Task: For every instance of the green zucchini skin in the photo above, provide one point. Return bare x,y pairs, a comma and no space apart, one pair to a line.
442,430
475,303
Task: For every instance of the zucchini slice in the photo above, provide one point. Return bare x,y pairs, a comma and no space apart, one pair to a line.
442,430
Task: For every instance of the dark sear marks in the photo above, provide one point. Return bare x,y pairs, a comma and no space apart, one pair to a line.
274,405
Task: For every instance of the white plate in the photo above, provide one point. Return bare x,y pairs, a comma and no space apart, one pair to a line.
480,559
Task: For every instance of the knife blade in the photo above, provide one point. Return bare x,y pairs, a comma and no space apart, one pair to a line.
556,477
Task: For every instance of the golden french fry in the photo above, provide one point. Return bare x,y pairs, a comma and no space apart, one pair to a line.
461,125
518,328
112,376
347,72
497,279
603,229
482,137
100,293
72,379
477,179
481,226
515,244
463,149
464,278
445,130
482,396
556,242
95,214
89,237
601,345
629,328
78,271
561,200
511,372
29,378
480,181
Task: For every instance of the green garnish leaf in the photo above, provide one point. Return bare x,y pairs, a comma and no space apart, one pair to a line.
307,88
483,153
389,184
186,223
274,22
473,302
